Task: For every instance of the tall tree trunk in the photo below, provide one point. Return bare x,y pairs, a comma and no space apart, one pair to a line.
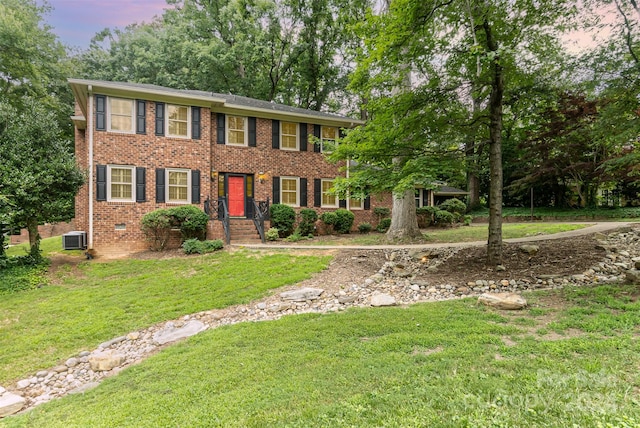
494,244
404,221
34,238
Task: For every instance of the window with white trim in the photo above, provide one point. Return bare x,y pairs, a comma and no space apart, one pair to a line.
355,204
289,193
178,121
237,134
178,186
289,136
329,200
121,115
120,183
421,196
328,139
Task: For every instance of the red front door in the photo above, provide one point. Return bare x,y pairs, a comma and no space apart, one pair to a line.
236,196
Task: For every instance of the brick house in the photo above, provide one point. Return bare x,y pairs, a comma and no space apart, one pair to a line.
147,147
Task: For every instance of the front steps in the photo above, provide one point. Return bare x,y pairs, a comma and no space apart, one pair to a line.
243,231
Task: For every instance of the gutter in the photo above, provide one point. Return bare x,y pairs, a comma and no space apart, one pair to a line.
90,126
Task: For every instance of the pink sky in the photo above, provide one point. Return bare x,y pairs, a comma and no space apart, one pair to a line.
77,21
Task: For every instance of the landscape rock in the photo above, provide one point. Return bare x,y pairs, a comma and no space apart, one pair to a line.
507,301
382,300
171,333
530,249
10,404
633,276
105,361
302,295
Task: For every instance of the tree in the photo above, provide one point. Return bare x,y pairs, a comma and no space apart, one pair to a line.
38,174
463,60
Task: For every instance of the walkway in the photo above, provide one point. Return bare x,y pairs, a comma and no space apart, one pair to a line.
594,228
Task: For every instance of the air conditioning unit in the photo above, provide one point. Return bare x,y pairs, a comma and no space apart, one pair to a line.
75,240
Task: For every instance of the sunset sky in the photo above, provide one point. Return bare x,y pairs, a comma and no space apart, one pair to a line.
77,21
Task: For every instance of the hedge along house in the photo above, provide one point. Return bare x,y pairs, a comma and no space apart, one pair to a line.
147,147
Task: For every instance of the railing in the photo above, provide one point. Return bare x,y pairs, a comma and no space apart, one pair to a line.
260,214
218,210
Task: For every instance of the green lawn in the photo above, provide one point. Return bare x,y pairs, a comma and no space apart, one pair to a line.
455,234
570,360
94,302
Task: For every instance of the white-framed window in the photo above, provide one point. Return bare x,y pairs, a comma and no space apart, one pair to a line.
289,191
329,200
237,130
355,204
328,139
121,115
120,185
178,186
422,198
289,136
178,121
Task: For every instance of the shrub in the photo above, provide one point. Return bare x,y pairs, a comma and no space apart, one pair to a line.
453,205
365,227
344,220
444,218
329,219
308,220
156,226
384,225
194,246
381,213
468,219
272,234
425,216
191,221
296,236
283,217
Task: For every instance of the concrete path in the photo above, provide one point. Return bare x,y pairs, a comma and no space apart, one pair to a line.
593,228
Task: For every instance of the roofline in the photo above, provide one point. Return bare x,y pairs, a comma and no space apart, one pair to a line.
82,87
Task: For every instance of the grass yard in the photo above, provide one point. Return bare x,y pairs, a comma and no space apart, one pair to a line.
93,302
570,360
455,234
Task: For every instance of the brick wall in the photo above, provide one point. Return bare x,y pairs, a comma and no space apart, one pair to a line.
46,231
116,225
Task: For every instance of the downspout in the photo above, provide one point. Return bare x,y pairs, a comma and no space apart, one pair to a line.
90,126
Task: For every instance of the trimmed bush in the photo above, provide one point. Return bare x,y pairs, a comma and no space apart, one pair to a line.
194,246
191,221
308,221
384,225
365,227
283,217
156,226
382,212
453,205
272,234
425,216
344,220
444,218
329,219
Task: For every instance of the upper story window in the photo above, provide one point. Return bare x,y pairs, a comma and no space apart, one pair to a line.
178,186
178,121
329,200
289,194
237,130
289,136
328,139
121,115
120,183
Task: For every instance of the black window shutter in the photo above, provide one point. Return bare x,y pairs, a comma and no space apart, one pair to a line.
195,186
317,192
276,190
141,117
367,203
342,203
101,182
101,112
316,133
141,184
275,134
303,137
159,118
160,185
220,119
303,192
252,132
195,123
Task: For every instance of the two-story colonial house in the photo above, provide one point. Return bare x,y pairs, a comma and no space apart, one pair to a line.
147,147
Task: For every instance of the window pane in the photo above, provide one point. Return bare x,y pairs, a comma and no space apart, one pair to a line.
121,123
236,137
355,203
121,114
289,190
121,107
327,198
178,178
289,141
289,128
329,133
178,119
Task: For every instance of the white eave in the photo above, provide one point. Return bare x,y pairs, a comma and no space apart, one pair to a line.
79,121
